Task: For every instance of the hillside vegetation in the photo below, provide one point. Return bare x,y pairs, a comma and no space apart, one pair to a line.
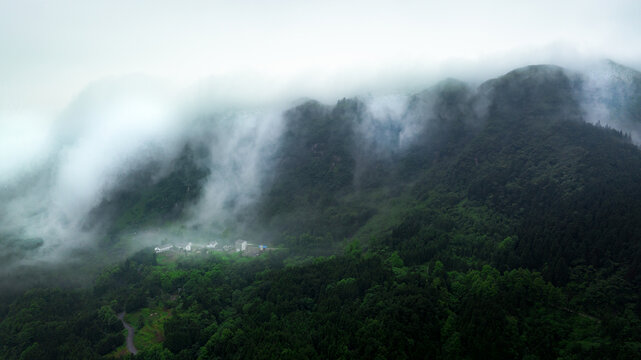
508,227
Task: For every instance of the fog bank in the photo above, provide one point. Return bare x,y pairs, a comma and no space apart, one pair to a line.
57,168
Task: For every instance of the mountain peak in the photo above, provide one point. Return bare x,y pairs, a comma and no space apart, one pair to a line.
535,90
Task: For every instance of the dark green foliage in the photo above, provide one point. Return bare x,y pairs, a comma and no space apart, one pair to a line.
56,324
508,230
315,159
315,166
143,201
446,114
360,305
569,185
181,332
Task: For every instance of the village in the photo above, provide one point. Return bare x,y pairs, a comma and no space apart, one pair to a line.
241,246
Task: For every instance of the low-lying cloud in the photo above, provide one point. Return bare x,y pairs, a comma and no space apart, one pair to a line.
55,170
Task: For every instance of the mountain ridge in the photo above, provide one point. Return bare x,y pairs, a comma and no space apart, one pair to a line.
493,222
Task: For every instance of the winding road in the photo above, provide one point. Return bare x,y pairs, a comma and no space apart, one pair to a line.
130,334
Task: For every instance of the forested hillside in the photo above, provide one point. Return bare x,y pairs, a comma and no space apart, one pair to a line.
506,226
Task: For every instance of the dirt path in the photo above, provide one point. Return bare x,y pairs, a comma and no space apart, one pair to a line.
130,334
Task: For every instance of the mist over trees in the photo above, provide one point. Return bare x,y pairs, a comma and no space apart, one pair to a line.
491,221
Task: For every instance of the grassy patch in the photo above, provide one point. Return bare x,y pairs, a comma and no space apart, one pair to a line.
120,351
148,323
167,259
390,211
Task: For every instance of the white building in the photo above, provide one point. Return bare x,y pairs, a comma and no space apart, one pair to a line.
241,245
163,249
212,245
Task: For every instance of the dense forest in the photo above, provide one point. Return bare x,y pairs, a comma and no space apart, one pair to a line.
507,228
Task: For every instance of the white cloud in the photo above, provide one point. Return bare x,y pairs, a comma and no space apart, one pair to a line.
25,139
51,50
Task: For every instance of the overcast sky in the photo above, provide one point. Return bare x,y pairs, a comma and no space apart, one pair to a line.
51,50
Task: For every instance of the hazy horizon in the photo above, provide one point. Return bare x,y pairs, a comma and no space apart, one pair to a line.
52,51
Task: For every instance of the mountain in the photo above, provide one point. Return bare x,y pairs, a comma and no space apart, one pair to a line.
500,221
519,146
144,199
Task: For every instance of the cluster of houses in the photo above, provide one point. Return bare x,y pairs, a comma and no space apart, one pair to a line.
248,249
241,246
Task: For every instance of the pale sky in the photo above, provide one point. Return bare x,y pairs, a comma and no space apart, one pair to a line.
51,50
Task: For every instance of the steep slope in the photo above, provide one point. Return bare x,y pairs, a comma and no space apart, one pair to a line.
568,183
314,169
498,222
144,198
610,94
519,147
